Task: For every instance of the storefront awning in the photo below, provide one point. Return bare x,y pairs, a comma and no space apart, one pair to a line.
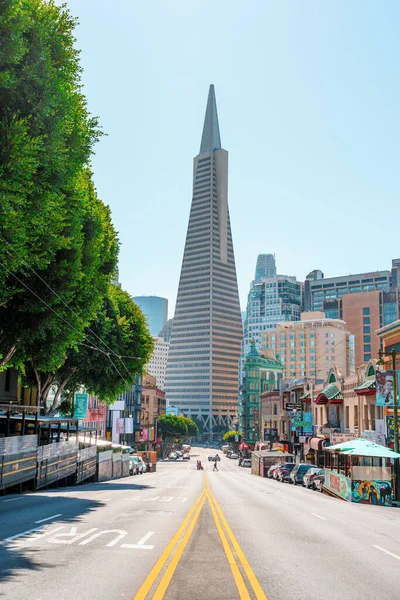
318,443
330,394
366,387
306,397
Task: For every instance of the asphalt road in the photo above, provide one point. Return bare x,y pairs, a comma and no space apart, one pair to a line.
180,533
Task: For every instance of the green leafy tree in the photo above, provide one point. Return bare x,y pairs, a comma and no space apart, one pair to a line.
62,300
174,429
230,436
192,427
126,346
46,139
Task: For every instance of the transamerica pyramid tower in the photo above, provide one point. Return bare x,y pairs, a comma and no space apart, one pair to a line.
202,370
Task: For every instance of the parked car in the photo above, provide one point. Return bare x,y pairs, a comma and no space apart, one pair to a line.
186,456
179,453
297,474
319,480
309,476
283,472
271,470
173,456
234,456
246,462
136,465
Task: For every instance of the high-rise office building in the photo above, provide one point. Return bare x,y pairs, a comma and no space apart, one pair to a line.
270,301
265,267
366,302
202,374
157,364
155,310
166,331
322,294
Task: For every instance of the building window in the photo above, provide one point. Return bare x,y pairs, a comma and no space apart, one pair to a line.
367,338
367,329
327,335
366,320
367,357
366,310
367,347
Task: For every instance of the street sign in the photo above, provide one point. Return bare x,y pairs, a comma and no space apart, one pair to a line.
81,405
289,406
301,423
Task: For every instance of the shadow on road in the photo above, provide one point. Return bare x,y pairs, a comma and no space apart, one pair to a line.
17,556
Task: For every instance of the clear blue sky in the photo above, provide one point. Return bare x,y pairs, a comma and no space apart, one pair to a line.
308,96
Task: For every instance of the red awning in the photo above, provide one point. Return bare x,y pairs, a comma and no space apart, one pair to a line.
321,399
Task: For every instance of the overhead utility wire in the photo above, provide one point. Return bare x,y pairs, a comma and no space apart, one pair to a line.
62,300
58,315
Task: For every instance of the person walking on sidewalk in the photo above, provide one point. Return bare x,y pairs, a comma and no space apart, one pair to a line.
215,465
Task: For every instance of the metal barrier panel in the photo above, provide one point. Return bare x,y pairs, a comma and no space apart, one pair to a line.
55,461
86,466
17,460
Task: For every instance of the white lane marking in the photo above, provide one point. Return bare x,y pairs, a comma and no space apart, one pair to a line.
23,533
49,518
106,499
13,499
141,544
121,534
319,516
283,500
71,537
41,535
145,538
386,551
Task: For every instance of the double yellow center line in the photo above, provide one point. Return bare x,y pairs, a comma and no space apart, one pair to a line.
179,542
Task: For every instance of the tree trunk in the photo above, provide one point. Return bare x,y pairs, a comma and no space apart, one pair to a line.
38,385
9,355
46,387
59,392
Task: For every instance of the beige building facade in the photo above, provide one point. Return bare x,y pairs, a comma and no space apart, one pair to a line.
347,405
310,347
153,401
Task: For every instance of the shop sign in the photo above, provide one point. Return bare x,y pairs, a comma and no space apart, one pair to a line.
339,438
81,405
390,428
120,425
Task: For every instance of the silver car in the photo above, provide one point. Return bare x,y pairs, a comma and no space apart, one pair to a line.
309,476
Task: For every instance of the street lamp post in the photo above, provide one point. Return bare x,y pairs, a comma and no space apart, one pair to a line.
380,362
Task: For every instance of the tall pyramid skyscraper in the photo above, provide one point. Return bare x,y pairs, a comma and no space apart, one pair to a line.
202,371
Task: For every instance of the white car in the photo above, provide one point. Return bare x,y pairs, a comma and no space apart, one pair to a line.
246,462
309,476
233,455
186,456
173,456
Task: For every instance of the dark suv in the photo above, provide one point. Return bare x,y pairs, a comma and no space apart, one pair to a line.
296,476
284,471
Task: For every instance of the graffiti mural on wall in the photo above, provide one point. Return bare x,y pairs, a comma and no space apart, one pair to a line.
372,492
